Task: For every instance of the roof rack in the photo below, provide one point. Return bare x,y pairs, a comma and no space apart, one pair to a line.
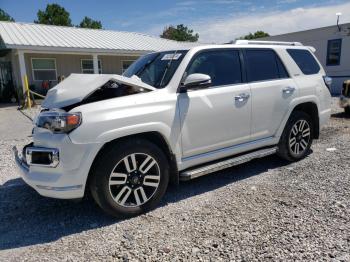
254,42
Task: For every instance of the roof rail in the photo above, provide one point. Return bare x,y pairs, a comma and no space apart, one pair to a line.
254,42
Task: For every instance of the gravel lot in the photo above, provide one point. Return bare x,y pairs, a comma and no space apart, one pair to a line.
263,210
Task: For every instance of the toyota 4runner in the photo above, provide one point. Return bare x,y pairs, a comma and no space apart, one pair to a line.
174,115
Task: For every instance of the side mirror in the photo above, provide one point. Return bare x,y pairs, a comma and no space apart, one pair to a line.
195,81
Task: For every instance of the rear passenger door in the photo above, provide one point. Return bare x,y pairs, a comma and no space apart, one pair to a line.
272,91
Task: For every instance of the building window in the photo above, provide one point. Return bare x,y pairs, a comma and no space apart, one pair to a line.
87,66
44,69
126,64
333,52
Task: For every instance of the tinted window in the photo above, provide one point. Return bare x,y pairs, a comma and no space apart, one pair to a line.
262,65
333,52
281,68
306,62
223,66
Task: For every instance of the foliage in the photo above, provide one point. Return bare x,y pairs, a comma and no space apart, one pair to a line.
257,34
179,33
54,14
5,16
87,22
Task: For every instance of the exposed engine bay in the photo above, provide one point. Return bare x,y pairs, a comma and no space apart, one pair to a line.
78,89
109,90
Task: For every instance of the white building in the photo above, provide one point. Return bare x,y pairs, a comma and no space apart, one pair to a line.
44,52
332,45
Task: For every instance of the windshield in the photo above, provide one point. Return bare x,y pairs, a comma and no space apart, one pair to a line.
156,69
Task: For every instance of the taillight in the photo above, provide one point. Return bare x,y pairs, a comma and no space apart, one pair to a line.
328,81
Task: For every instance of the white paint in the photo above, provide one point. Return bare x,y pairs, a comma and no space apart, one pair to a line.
95,63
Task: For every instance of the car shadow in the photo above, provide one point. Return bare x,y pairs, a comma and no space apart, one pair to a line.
340,115
26,218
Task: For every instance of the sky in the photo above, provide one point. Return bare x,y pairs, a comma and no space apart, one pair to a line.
216,21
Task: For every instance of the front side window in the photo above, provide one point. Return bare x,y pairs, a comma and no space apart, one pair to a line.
156,69
223,66
333,52
44,69
87,66
264,65
305,61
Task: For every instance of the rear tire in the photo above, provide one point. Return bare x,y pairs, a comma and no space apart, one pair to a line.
129,178
297,137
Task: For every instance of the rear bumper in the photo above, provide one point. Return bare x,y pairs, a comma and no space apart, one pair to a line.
344,101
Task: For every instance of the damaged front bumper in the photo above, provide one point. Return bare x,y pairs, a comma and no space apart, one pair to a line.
21,163
344,101
53,174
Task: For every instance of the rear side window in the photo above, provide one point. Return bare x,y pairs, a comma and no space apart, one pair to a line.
223,66
263,65
281,68
305,61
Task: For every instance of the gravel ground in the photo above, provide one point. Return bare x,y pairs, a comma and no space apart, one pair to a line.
263,210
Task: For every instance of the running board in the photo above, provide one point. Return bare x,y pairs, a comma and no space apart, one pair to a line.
207,169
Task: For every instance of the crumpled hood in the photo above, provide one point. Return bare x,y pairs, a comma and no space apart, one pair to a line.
76,87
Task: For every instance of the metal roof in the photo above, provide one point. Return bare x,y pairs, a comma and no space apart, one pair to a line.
30,36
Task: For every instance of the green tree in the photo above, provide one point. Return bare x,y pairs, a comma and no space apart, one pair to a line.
87,22
5,16
257,34
179,33
54,14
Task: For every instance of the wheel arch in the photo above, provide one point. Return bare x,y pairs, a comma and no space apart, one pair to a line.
311,109
151,136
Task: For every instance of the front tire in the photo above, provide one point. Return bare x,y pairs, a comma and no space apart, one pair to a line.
297,137
129,178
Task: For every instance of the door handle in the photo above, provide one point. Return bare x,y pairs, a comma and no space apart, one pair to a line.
288,90
242,97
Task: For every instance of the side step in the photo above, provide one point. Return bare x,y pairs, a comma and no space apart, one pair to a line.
213,167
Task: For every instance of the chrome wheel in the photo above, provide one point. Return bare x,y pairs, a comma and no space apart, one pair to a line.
134,180
299,137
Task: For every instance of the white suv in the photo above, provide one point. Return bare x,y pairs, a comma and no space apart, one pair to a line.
174,115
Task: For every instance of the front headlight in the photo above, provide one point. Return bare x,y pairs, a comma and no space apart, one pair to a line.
58,121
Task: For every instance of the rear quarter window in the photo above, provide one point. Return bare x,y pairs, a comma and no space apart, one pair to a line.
305,61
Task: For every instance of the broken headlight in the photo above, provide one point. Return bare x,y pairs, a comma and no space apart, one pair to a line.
58,121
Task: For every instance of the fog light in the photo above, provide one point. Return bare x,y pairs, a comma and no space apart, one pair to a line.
38,156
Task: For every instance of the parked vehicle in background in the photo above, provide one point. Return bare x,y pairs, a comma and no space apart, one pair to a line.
175,115
344,100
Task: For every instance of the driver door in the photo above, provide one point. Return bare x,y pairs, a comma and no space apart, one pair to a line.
219,116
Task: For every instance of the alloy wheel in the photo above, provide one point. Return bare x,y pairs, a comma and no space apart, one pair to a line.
299,137
134,180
